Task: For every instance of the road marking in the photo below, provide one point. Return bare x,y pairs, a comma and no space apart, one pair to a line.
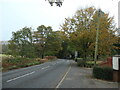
63,78
20,76
45,67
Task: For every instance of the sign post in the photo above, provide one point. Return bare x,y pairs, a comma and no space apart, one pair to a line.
116,68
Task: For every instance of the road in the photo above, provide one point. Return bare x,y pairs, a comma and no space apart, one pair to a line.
46,75
56,74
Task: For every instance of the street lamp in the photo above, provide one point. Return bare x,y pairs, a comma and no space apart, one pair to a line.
57,2
97,37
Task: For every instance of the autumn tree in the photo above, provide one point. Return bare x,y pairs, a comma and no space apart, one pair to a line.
81,30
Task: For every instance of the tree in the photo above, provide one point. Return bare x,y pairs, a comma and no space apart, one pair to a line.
21,43
40,39
81,31
46,41
53,43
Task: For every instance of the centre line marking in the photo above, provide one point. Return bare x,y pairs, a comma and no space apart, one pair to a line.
45,67
20,76
63,78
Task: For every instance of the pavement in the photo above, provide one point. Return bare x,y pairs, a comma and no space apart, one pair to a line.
82,78
56,74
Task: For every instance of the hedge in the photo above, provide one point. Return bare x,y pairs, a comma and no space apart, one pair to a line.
105,73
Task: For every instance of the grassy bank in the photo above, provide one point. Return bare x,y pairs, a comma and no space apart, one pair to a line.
9,62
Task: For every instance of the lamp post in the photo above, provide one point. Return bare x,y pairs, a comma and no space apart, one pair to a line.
97,38
57,2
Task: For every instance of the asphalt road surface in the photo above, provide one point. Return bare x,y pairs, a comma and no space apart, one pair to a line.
46,75
56,74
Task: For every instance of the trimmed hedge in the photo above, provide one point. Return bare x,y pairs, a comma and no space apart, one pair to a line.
105,73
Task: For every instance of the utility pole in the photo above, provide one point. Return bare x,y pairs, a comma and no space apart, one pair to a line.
97,38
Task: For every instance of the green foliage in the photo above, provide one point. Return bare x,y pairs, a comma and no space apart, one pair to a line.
81,62
67,47
80,30
85,63
105,73
89,64
78,59
46,41
53,44
40,43
21,43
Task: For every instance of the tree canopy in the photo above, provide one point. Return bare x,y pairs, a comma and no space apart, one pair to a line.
77,33
81,30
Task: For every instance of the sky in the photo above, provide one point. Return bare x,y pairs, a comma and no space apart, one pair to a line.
16,14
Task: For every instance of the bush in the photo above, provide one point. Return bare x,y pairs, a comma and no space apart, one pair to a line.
13,67
77,59
9,62
81,62
89,64
105,73
38,59
51,57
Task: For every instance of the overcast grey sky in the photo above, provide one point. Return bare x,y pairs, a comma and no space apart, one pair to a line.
16,14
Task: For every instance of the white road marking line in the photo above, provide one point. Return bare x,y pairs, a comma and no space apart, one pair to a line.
45,67
63,78
20,76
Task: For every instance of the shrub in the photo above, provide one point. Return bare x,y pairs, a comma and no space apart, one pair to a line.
51,57
81,62
77,59
105,73
89,64
13,67
38,59
10,62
